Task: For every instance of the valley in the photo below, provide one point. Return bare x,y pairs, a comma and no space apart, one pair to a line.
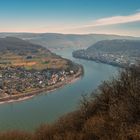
27,69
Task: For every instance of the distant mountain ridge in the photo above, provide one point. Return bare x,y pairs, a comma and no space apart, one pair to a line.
74,41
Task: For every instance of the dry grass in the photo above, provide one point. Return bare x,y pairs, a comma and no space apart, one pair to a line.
37,62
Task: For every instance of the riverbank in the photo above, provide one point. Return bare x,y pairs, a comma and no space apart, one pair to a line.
25,96
115,64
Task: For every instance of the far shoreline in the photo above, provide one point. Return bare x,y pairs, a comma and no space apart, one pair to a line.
49,89
103,62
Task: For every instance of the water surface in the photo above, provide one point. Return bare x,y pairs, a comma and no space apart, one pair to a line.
46,108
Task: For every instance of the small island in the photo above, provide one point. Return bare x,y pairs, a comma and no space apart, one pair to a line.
27,69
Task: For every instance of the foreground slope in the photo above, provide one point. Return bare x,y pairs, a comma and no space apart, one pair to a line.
111,113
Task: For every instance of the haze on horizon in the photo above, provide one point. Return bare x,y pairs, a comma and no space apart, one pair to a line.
71,16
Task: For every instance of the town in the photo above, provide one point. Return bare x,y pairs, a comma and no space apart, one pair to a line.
115,59
18,80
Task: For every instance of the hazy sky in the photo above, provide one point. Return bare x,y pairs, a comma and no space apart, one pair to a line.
71,16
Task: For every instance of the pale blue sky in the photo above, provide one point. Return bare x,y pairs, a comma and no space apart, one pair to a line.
71,16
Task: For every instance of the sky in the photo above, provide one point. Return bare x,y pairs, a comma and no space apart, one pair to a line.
121,17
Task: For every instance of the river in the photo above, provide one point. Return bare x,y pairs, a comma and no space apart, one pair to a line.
46,108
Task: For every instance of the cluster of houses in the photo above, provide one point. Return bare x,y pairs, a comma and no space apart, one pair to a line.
14,80
115,59
110,58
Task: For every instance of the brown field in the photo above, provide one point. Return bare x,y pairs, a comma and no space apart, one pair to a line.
40,61
25,64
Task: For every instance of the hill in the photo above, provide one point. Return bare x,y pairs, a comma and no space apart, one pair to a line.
17,45
60,41
116,52
19,52
125,47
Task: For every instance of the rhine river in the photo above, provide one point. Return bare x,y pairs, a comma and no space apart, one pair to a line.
46,108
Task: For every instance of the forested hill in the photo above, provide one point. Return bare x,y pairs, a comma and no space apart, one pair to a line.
16,45
128,47
122,53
